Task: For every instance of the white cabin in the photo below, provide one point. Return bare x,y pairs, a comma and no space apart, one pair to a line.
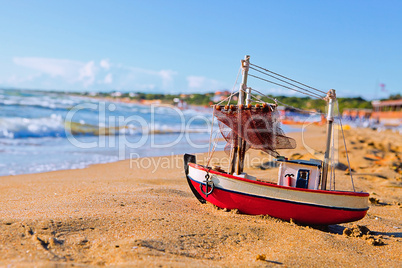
300,173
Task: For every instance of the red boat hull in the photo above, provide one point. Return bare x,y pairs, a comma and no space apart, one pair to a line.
252,205
314,207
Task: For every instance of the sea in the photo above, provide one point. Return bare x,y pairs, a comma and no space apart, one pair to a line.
45,131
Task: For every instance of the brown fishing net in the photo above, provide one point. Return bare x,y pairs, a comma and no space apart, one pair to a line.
259,127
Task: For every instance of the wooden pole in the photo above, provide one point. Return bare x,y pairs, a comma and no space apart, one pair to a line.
242,153
233,160
242,99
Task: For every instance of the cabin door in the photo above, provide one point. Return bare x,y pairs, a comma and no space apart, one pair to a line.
303,176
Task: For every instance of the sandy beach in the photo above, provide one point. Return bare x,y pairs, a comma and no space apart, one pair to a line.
141,212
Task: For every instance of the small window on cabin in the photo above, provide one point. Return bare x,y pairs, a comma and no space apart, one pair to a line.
304,174
302,178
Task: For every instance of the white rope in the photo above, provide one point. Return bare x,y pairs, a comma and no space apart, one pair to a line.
313,93
223,99
255,97
284,104
211,152
237,77
330,165
332,170
316,96
271,98
287,78
346,150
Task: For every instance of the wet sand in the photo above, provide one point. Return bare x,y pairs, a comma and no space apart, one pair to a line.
120,214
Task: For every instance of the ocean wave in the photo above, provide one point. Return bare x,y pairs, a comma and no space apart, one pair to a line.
56,126
17,127
47,102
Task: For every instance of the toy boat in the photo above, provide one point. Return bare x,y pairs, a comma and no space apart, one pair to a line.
301,192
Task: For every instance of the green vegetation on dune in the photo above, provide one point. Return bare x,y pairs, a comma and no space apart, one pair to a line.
199,99
394,97
309,103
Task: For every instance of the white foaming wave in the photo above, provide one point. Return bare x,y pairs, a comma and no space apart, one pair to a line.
54,126
45,102
17,127
15,168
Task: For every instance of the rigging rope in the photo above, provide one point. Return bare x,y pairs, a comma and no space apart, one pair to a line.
271,98
284,104
287,78
237,77
256,98
230,96
346,150
211,151
332,169
286,82
316,96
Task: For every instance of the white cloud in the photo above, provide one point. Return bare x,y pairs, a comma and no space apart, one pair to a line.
105,64
108,79
164,79
14,79
70,71
202,83
195,82
167,77
53,67
87,74
69,74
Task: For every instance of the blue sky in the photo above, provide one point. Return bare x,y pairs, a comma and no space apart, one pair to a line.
196,46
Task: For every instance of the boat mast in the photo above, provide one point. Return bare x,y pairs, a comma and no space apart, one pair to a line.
331,97
245,92
243,87
238,150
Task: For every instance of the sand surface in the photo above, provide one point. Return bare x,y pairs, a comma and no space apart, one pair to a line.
122,214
